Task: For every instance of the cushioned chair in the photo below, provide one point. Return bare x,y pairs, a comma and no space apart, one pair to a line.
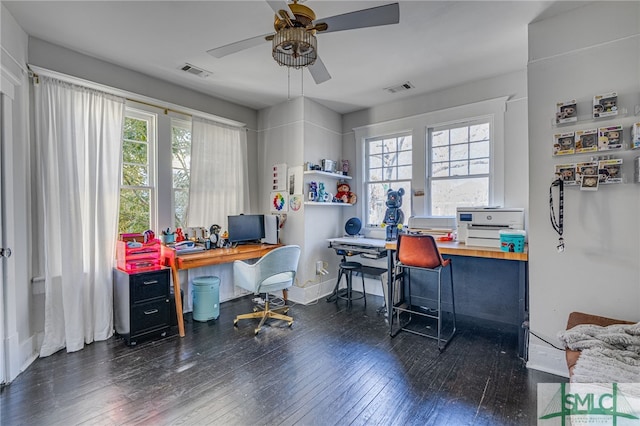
273,272
420,253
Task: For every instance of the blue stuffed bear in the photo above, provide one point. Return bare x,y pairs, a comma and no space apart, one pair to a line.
394,217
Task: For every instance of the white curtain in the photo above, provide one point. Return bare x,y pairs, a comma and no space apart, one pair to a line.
219,173
78,137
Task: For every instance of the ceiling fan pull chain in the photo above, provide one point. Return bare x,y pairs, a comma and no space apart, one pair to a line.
288,84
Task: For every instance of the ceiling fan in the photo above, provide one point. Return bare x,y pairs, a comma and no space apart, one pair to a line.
294,42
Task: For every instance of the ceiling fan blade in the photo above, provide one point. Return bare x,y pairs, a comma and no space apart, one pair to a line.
381,15
278,5
319,71
237,46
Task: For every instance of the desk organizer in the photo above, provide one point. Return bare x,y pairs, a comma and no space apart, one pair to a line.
512,240
143,258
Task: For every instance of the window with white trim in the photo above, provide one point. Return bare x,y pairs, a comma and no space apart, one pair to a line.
138,179
459,166
388,165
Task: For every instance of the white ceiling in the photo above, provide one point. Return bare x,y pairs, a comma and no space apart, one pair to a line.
437,44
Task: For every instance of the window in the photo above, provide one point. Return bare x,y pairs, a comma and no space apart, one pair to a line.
137,184
460,166
181,161
388,165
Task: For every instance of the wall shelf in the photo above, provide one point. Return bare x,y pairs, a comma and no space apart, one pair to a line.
326,174
316,203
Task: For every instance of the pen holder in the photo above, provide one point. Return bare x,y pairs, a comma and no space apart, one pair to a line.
168,238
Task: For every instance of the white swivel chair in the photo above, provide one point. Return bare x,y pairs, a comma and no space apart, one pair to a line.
274,271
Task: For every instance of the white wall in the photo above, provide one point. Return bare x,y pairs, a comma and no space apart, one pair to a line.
572,56
295,132
19,337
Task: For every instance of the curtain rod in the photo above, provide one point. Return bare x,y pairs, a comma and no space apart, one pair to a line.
166,109
132,97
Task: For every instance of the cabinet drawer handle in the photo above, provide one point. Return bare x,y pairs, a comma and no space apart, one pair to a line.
150,282
151,311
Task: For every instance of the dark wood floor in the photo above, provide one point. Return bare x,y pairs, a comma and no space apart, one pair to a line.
333,367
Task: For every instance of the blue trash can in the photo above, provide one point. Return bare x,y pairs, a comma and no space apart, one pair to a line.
206,298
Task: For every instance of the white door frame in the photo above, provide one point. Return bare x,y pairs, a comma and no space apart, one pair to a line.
3,364
10,359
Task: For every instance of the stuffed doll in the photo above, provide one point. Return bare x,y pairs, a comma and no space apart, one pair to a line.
394,217
344,194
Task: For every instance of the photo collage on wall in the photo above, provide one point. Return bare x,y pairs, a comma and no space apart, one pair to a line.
286,191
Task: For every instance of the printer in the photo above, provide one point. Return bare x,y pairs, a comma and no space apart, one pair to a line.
481,226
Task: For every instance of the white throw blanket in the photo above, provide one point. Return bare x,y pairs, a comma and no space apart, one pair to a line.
608,354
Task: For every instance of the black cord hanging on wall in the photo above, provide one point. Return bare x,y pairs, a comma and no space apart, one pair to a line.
558,224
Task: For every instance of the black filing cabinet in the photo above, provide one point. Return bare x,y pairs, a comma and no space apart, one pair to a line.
141,303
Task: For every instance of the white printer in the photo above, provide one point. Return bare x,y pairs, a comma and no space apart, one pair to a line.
481,226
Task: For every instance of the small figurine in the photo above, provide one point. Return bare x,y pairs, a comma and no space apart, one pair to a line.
214,236
344,194
313,191
345,167
322,194
179,235
224,240
394,217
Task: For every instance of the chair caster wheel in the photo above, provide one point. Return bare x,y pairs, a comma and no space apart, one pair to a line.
256,331
290,324
235,323
255,309
286,311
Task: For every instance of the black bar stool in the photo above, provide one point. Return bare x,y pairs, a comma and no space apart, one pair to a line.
347,269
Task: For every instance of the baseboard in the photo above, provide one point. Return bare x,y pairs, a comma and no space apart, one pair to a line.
19,356
548,360
311,293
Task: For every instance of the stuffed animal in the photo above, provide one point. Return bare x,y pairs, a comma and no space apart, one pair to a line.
344,194
394,217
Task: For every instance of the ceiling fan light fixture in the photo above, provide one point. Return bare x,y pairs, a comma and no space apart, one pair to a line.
295,47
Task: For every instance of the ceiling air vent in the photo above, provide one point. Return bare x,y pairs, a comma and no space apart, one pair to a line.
400,87
195,71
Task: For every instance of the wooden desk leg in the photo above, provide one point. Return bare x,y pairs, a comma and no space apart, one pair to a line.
177,297
285,295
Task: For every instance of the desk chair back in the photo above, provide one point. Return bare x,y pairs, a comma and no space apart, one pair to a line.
275,270
419,251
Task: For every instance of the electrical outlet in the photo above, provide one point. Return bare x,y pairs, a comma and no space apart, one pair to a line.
320,268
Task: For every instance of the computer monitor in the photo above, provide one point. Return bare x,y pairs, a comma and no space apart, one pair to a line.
246,228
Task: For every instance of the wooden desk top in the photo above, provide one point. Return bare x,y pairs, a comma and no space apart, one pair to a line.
456,248
216,256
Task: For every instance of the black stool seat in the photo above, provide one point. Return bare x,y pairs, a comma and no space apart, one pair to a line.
352,266
348,268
